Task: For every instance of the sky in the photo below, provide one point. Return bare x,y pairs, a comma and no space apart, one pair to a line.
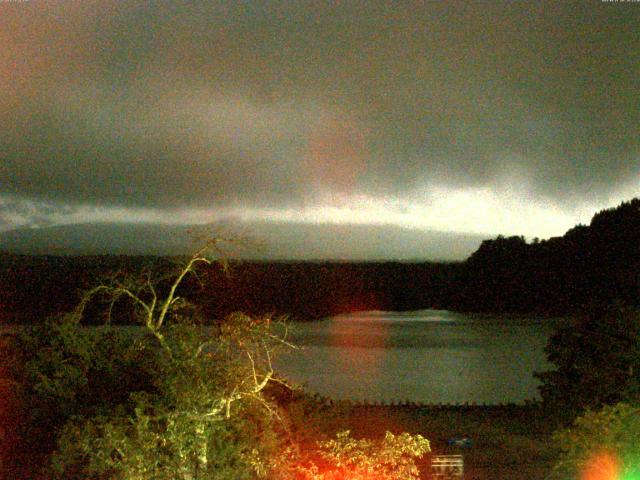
482,118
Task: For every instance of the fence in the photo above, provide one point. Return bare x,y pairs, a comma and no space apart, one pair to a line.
447,467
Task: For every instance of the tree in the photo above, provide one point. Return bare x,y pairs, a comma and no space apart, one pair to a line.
176,399
597,359
390,458
601,445
194,409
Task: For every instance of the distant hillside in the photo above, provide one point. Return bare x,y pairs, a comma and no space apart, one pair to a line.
588,266
594,264
277,241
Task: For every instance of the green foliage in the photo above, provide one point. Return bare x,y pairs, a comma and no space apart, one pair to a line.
67,370
602,441
203,417
391,458
597,361
173,399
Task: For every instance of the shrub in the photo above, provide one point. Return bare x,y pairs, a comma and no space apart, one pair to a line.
603,445
597,361
391,458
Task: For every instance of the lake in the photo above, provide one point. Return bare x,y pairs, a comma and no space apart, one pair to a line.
429,356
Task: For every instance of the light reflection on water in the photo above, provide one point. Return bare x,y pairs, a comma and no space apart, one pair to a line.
431,356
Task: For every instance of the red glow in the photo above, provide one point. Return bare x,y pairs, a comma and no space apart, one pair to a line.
336,154
602,466
365,302
366,352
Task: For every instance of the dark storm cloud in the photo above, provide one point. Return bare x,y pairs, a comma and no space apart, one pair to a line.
277,103
123,149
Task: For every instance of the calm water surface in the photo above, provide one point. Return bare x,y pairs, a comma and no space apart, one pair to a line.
429,356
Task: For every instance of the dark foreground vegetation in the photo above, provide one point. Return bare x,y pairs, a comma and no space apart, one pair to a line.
171,400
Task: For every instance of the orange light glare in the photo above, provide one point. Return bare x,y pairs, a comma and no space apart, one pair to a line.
602,466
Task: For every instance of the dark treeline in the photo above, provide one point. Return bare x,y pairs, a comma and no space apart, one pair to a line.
589,266
594,264
36,287
313,290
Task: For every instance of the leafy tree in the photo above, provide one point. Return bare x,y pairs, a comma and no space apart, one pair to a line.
205,417
61,370
391,458
172,400
176,399
601,445
597,360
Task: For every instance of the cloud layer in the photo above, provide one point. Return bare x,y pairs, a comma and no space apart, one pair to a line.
299,105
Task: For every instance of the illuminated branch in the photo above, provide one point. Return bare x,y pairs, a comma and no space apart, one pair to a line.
170,298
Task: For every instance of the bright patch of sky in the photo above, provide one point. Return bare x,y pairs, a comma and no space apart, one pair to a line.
473,210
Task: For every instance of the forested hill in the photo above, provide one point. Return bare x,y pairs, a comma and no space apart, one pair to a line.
594,264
